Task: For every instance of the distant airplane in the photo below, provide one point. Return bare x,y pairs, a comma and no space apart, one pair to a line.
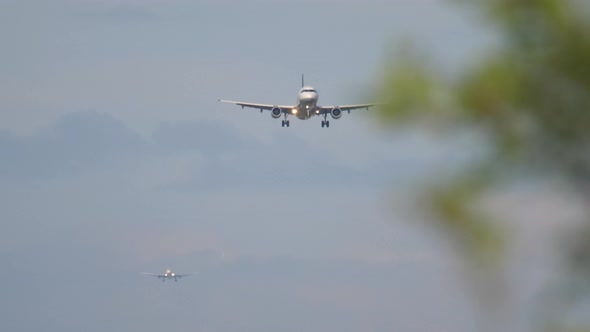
306,107
168,274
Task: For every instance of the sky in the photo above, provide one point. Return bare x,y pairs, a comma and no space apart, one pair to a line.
116,159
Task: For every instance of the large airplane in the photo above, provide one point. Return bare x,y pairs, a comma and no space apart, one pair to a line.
168,274
305,108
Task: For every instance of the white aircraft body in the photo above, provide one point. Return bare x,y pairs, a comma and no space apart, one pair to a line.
168,274
306,107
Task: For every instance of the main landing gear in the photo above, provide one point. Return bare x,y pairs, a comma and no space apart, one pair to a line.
285,123
325,122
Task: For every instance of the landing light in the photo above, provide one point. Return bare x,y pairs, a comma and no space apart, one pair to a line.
294,111
317,111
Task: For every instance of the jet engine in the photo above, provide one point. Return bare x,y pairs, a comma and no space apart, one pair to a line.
276,112
336,113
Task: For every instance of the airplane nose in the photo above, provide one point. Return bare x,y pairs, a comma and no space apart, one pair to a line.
308,96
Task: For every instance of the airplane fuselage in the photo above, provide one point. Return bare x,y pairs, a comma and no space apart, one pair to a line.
305,108
307,102
168,275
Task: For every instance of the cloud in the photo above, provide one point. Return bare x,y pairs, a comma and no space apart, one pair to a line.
233,159
208,137
198,155
125,12
78,142
152,244
89,287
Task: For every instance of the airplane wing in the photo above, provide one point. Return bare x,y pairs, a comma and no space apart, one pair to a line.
268,107
184,275
327,109
152,274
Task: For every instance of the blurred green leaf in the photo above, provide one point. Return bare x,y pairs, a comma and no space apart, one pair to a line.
531,98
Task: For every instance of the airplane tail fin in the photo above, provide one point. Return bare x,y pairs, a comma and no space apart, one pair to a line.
302,81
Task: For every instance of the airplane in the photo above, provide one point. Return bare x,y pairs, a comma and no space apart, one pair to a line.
168,274
305,108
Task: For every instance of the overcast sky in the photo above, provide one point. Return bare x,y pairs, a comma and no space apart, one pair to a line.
116,158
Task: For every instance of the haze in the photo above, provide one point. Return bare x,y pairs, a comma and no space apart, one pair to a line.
116,158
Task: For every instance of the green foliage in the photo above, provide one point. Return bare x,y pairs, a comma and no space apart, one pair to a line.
531,98
455,205
409,89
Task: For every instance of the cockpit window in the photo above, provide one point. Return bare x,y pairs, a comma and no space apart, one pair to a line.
308,90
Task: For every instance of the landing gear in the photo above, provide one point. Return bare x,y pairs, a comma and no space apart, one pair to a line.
285,123
325,122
